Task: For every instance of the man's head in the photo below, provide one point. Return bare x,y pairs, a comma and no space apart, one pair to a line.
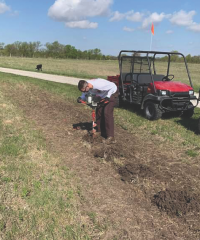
83,86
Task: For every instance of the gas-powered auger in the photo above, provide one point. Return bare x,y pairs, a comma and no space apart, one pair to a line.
92,101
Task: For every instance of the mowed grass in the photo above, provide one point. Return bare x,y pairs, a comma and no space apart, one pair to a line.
38,199
93,68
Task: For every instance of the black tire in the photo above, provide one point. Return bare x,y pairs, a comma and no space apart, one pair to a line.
199,126
117,102
152,111
188,113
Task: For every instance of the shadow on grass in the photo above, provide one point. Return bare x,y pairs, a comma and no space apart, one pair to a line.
190,124
132,108
137,110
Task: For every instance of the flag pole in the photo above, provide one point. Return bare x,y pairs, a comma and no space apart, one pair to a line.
151,41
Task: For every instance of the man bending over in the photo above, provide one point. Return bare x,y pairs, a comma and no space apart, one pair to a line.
107,91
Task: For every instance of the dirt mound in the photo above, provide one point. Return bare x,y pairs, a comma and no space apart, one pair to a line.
177,203
131,171
93,139
100,149
108,152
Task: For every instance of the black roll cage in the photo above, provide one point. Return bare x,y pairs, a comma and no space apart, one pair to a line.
137,53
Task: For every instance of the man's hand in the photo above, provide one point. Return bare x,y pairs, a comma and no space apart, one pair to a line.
105,100
80,100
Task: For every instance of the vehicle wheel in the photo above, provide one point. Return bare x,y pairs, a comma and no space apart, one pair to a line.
188,113
117,102
199,126
152,111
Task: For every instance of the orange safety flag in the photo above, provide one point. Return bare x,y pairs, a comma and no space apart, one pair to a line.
152,29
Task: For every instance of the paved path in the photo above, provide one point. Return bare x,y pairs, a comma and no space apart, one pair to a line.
54,78
43,76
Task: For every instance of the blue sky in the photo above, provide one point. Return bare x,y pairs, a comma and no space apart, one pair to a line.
110,25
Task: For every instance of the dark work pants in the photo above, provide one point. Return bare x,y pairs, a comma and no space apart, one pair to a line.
105,118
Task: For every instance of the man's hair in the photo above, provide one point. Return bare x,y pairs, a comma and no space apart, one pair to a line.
82,84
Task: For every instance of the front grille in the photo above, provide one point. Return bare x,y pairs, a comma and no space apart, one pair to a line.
179,94
178,101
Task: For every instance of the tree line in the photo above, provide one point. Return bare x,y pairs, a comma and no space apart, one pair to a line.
53,50
58,50
177,58
189,59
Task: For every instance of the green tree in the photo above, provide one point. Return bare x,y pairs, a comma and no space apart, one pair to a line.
174,57
10,50
55,50
188,58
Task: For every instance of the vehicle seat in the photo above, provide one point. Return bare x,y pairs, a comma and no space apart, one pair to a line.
144,79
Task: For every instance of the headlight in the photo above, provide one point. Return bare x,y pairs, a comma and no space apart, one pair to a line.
163,93
191,92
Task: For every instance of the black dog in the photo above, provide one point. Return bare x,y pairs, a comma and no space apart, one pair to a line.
39,67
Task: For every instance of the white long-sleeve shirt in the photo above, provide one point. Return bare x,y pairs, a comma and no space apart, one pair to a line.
101,87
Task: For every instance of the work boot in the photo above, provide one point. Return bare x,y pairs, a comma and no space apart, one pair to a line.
110,140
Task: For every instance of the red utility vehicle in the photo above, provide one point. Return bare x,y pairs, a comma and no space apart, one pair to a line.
147,79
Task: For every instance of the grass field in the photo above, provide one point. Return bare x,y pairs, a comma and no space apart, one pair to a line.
39,196
67,67
92,68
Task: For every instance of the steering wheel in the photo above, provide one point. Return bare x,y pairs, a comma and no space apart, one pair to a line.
168,78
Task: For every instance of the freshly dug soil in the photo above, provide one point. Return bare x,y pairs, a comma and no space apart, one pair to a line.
131,171
176,202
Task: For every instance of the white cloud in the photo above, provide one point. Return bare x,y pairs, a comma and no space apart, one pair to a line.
76,12
182,18
194,27
146,18
153,18
4,8
169,32
130,16
128,29
185,19
134,17
117,16
81,24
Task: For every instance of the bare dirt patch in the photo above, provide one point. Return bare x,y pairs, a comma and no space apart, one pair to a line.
124,209
132,171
